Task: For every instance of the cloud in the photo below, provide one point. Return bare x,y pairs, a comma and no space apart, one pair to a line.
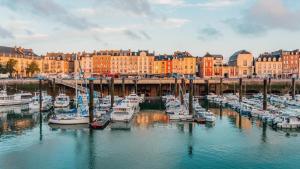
49,9
4,33
33,36
128,32
146,35
264,16
217,3
172,22
208,33
137,7
169,2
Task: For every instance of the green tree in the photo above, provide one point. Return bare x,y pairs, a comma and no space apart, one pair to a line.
32,68
10,66
3,69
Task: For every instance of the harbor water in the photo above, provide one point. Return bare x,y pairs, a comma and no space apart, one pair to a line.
149,141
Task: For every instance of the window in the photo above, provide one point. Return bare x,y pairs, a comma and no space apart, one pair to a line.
244,62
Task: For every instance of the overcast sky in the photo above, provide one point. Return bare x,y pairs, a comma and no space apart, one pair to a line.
197,26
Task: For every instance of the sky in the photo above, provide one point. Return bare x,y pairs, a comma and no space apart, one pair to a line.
164,26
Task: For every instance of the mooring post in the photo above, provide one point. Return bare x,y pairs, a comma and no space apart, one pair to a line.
123,87
91,101
135,86
112,92
269,86
182,93
241,90
159,89
293,88
265,95
101,87
183,86
221,86
191,93
40,97
176,87
53,86
207,87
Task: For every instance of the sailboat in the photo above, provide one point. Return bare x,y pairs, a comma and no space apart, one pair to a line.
81,115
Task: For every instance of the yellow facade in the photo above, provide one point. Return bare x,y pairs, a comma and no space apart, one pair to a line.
185,65
23,61
268,66
54,63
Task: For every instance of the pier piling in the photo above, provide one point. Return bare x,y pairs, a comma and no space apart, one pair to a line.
135,86
269,86
293,88
183,86
101,87
221,86
191,93
112,91
176,87
123,87
207,87
40,97
265,95
240,90
91,101
53,85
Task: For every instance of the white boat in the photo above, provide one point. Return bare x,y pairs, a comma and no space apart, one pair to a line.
15,99
67,119
46,102
62,101
123,111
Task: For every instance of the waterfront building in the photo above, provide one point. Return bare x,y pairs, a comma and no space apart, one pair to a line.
290,62
268,65
243,61
24,58
123,62
54,63
210,66
163,65
183,63
228,71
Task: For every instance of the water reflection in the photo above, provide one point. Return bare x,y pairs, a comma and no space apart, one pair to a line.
12,122
147,119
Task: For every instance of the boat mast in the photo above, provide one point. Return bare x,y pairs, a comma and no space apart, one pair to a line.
76,85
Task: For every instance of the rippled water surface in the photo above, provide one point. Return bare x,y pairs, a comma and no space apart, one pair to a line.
151,142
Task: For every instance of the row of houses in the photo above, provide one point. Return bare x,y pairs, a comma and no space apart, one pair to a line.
126,62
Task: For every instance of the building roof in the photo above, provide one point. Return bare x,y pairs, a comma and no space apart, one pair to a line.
233,57
163,57
269,55
213,55
17,51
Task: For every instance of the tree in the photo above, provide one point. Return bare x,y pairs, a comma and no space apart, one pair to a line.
32,68
3,69
10,66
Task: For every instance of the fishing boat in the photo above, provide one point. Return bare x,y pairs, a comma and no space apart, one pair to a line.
15,99
62,101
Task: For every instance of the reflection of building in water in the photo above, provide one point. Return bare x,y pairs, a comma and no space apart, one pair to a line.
149,118
16,122
240,121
